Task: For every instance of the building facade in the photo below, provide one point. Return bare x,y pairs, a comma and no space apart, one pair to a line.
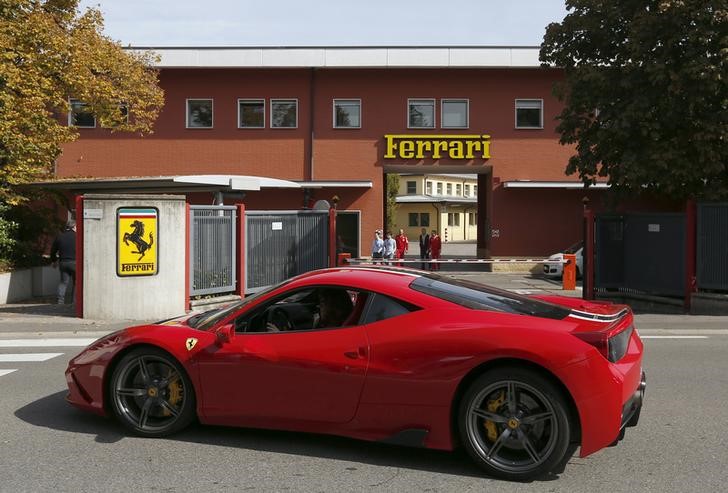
335,121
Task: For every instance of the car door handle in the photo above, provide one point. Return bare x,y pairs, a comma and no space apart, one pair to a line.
359,353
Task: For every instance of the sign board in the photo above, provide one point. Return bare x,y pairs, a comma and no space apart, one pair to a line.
136,247
653,228
277,226
466,146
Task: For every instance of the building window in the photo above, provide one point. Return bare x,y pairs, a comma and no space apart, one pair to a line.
420,113
529,113
413,219
411,187
251,113
425,219
467,190
475,190
449,188
347,113
453,219
454,113
80,116
458,189
439,188
284,113
428,188
199,113
472,218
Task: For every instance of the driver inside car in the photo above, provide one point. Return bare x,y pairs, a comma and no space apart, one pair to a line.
334,307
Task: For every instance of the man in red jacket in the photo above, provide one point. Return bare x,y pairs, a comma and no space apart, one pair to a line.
402,245
435,249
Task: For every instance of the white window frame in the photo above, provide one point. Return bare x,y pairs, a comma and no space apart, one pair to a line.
428,187
406,187
458,190
275,100
187,113
438,188
70,114
455,100
434,112
448,189
252,100
515,113
453,219
333,111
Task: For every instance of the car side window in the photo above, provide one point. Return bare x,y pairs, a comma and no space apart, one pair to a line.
382,307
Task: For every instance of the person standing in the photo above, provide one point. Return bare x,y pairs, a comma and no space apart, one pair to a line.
63,253
424,247
390,246
377,247
402,244
435,249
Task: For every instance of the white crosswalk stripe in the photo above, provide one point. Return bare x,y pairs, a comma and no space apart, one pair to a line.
27,357
37,357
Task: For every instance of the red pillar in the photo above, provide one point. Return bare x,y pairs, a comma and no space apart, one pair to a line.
588,288
240,274
187,257
690,249
78,287
332,237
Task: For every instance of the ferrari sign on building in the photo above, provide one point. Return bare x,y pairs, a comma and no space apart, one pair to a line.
136,247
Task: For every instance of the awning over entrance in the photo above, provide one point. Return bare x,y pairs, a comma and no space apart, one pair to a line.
551,184
190,183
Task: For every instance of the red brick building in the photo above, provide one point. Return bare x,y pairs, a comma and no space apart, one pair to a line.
335,120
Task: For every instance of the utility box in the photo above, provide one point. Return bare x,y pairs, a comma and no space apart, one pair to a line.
134,256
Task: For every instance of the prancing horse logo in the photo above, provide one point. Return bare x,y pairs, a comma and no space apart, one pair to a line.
136,237
190,343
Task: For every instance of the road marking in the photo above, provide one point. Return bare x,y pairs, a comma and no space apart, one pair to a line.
50,342
26,357
5,372
673,337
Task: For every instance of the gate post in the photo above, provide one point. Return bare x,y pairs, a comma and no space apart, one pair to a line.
78,282
240,291
188,232
332,237
588,274
690,248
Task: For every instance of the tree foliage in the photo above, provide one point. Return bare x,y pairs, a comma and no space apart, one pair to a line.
51,52
392,189
645,94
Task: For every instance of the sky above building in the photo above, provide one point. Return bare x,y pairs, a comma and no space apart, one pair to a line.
328,22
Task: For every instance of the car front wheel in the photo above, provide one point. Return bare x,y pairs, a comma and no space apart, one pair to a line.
514,423
151,394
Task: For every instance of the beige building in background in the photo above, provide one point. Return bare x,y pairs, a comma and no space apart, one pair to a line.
445,203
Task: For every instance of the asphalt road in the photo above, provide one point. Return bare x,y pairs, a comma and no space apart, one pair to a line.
681,443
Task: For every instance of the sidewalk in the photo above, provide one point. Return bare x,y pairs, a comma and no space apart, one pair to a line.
42,318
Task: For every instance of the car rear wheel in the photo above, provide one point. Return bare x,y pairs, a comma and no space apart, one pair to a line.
514,423
151,393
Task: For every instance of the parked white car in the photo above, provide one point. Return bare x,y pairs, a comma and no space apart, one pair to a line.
557,269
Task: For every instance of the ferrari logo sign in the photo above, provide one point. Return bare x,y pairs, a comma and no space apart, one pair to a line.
190,344
136,250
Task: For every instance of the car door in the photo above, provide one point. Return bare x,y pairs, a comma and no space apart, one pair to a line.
306,375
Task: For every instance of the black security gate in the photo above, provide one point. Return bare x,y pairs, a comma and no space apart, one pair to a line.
712,246
283,244
212,249
641,252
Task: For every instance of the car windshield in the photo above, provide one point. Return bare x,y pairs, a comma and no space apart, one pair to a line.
207,319
481,297
574,248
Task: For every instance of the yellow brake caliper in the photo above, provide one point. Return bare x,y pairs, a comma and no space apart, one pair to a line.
175,395
493,406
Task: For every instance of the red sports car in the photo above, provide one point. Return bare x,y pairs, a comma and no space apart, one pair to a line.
386,354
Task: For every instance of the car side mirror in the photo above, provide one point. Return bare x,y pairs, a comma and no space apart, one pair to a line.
225,334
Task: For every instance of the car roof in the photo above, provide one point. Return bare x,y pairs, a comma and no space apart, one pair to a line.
365,277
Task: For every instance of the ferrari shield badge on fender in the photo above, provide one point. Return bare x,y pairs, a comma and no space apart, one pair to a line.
190,344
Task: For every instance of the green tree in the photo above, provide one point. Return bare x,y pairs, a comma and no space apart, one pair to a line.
392,189
50,52
645,94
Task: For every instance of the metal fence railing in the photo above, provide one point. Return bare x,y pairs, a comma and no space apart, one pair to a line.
212,249
712,246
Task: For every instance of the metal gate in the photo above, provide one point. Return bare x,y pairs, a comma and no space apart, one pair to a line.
641,252
283,244
712,246
212,249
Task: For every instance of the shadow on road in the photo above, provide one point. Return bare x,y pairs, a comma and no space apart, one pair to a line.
53,412
40,309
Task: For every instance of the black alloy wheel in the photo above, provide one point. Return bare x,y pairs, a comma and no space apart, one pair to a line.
151,394
514,423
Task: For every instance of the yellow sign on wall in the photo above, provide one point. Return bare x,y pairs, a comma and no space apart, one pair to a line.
136,250
466,146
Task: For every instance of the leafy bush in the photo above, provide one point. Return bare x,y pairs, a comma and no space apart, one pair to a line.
25,234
